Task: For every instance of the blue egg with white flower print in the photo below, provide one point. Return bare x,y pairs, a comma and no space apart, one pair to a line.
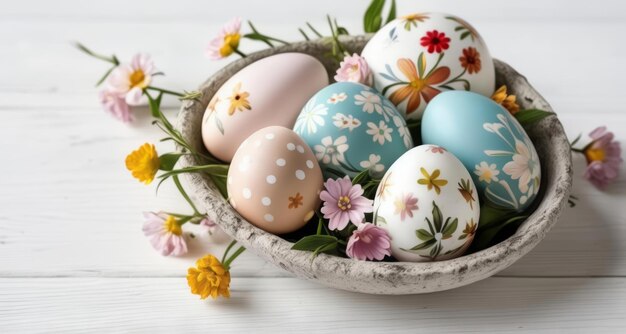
491,144
351,127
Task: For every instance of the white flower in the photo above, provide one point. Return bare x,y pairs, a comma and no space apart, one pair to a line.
331,151
336,98
380,133
346,122
311,117
371,102
403,130
486,172
373,165
524,166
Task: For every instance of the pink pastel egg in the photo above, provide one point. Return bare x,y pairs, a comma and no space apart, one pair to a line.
274,180
270,91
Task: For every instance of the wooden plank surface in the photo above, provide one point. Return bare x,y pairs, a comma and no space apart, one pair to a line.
72,255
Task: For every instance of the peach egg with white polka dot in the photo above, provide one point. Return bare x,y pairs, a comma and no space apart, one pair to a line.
274,180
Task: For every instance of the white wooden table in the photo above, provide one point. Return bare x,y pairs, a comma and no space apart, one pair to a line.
72,254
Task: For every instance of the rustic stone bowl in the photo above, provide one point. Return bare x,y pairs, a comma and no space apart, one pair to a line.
393,278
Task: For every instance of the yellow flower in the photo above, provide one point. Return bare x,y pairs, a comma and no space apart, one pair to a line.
209,278
507,101
143,163
239,100
431,180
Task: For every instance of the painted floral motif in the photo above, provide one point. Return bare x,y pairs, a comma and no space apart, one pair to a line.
417,84
435,41
295,201
469,231
436,149
332,151
336,98
523,166
465,188
239,100
411,20
432,180
405,204
370,101
311,117
470,60
380,133
486,172
403,131
464,28
384,189
211,108
373,164
438,230
346,121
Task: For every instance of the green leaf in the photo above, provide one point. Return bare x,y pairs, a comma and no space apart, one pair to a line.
575,141
221,170
373,16
423,245
450,229
306,38
490,215
219,124
220,183
314,242
361,178
392,12
437,217
105,76
422,234
464,35
530,116
168,161
485,237
325,248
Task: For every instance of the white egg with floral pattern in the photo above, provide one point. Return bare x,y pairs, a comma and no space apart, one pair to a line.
274,180
428,205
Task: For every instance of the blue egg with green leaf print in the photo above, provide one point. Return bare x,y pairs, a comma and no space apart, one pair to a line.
351,127
490,143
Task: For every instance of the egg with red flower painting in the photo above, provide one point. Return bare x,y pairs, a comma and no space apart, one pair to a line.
274,180
415,57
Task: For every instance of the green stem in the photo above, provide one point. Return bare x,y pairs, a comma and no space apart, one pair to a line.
243,55
165,91
113,59
578,150
233,257
184,193
232,243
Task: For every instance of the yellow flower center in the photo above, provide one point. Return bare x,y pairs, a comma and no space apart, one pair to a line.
487,174
171,225
137,79
595,154
344,203
418,84
231,42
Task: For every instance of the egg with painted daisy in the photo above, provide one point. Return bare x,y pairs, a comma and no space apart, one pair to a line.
351,127
415,57
269,91
427,203
274,180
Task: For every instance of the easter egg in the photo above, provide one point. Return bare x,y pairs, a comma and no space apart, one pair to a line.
428,205
489,142
274,180
270,91
351,127
415,57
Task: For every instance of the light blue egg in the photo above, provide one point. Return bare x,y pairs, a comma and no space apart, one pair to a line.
491,144
351,127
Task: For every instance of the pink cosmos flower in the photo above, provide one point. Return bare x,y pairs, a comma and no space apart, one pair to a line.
354,69
604,158
226,42
165,234
114,104
344,203
369,242
129,80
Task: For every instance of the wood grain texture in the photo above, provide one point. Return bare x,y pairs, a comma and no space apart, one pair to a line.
72,255
269,305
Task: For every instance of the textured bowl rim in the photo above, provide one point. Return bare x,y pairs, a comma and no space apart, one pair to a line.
388,277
